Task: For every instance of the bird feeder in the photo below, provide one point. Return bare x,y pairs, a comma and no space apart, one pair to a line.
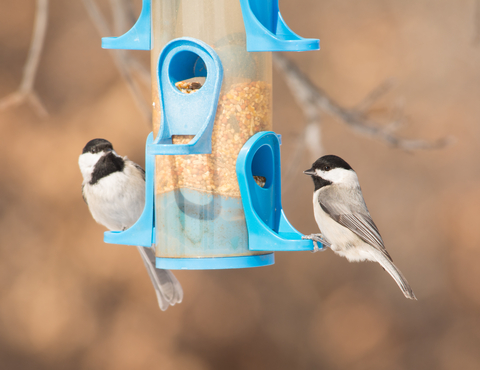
213,191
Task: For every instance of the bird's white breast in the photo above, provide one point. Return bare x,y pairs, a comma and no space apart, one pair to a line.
117,200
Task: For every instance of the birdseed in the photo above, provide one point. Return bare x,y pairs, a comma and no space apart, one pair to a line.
242,112
188,87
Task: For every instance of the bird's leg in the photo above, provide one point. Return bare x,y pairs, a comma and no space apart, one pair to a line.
317,238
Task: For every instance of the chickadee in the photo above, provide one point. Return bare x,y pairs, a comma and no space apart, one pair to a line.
343,218
114,189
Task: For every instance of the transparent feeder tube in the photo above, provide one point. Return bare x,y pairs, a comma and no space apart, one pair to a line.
199,211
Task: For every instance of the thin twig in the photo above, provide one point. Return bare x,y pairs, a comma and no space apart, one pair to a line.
476,36
120,57
141,71
311,136
25,91
374,95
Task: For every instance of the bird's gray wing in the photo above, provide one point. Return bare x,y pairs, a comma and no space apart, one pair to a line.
142,171
83,195
350,210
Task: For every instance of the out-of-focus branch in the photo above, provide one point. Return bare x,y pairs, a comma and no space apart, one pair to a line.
128,67
308,95
374,95
311,136
476,36
25,90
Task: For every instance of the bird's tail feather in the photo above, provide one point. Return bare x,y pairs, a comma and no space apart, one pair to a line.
396,274
167,287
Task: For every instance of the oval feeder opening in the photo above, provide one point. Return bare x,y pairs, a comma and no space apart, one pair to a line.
262,167
188,98
187,72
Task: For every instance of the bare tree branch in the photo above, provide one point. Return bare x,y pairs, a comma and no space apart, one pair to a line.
374,95
476,20
25,91
141,71
311,135
307,94
126,66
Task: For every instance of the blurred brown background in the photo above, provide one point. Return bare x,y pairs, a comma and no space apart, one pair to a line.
69,301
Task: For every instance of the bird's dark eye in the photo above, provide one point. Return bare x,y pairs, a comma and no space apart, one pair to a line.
326,168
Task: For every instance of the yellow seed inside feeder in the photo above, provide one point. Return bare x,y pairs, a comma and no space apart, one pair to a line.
242,111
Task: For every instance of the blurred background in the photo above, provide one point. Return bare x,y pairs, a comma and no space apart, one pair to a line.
69,301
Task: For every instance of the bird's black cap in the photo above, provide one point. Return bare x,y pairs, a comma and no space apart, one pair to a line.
97,146
327,163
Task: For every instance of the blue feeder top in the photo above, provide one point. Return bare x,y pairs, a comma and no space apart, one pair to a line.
264,27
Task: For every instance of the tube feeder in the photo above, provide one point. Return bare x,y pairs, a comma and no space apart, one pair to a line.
213,189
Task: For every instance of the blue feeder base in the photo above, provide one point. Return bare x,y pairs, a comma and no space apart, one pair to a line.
215,263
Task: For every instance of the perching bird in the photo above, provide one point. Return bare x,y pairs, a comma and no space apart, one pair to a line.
114,189
343,218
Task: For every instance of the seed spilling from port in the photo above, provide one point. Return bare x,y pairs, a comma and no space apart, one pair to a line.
260,180
188,87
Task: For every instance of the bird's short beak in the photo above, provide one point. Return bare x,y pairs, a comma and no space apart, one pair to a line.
310,172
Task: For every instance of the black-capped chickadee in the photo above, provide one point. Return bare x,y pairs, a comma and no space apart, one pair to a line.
343,218
114,189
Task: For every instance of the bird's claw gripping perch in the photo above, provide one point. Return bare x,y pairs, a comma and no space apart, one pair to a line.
317,238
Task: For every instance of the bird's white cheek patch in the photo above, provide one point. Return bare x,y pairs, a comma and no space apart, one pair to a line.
87,161
320,173
339,175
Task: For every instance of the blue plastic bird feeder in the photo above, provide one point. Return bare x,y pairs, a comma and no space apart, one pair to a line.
213,191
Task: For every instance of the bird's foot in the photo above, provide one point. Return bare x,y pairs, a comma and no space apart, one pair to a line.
317,238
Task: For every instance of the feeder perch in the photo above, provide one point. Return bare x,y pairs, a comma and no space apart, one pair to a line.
213,189
138,37
268,228
267,31
142,233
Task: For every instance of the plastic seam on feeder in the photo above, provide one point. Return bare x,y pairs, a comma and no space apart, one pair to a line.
267,31
268,228
139,37
187,114
142,233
